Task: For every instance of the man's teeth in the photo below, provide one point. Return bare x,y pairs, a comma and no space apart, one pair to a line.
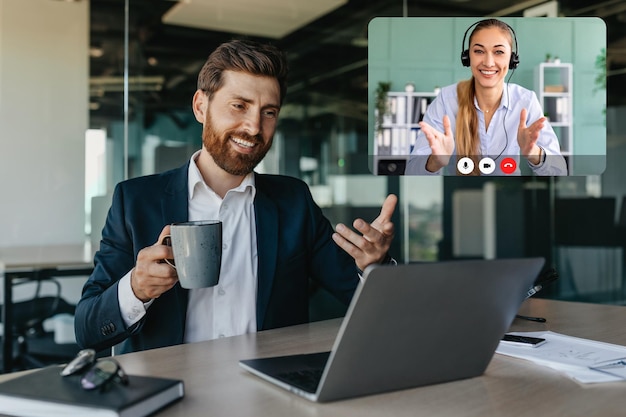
242,142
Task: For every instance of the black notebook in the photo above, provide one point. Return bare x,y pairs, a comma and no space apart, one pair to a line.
45,392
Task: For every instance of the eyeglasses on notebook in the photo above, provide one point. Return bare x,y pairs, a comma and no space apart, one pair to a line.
96,374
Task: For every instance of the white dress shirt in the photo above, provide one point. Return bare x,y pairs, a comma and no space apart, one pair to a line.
229,308
499,140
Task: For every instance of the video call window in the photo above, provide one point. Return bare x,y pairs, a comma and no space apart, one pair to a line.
480,96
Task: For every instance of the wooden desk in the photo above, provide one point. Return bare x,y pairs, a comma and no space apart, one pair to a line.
38,263
215,385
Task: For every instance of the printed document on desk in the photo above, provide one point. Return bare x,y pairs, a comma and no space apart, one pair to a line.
576,357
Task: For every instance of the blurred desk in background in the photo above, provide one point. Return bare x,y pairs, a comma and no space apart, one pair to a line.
36,263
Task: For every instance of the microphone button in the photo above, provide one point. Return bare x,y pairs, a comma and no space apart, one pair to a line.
465,165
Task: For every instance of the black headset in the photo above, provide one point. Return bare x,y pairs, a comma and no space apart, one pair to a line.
465,58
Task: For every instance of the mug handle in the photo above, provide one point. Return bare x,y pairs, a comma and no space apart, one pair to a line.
167,240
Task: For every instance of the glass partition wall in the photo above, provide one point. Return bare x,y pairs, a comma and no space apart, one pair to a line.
142,106
145,108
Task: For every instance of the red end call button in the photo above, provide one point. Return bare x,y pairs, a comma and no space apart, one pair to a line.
508,165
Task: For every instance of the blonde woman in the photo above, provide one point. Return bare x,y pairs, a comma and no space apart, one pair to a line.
486,116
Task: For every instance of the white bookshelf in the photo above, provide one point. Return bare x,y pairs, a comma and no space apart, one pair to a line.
395,137
554,88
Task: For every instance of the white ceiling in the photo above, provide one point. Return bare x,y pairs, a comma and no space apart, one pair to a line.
267,18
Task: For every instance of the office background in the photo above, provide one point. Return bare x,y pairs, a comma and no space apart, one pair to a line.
92,92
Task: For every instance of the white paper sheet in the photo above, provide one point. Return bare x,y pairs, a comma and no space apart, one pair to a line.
573,356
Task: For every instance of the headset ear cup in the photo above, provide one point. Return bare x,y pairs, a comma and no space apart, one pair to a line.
465,60
514,61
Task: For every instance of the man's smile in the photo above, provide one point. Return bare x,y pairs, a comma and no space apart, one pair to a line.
243,143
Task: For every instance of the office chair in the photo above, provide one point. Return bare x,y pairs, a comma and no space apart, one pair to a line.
27,327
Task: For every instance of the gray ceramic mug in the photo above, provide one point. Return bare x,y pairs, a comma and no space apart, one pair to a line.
197,247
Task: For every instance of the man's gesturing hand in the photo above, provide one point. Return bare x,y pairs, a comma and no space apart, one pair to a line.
372,243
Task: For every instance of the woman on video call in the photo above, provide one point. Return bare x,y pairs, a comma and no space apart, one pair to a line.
486,117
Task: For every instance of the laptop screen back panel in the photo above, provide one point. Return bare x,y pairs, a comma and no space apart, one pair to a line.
414,325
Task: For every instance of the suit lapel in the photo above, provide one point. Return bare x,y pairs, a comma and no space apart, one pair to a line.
175,203
175,208
266,215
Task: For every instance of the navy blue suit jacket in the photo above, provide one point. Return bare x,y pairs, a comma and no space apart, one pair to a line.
294,246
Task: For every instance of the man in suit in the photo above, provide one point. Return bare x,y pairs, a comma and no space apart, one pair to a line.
275,238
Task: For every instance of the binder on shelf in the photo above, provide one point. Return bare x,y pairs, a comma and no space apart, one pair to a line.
401,110
557,109
45,392
398,133
393,109
412,139
560,109
399,141
424,104
384,147
419,109
388,115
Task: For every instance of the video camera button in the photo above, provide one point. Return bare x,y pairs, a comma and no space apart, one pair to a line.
487,165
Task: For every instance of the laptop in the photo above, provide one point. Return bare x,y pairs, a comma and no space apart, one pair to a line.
408,326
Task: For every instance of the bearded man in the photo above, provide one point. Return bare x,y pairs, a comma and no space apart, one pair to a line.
275,238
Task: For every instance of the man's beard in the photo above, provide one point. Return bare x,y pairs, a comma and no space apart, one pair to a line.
231,161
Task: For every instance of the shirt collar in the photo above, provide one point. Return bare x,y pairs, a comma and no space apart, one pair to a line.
195,180
503,101
506,97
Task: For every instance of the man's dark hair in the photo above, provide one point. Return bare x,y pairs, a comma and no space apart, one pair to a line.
244,56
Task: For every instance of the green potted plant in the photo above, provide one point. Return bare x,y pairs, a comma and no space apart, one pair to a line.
381,102
600,80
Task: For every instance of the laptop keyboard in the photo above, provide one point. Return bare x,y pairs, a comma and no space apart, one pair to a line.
305,379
